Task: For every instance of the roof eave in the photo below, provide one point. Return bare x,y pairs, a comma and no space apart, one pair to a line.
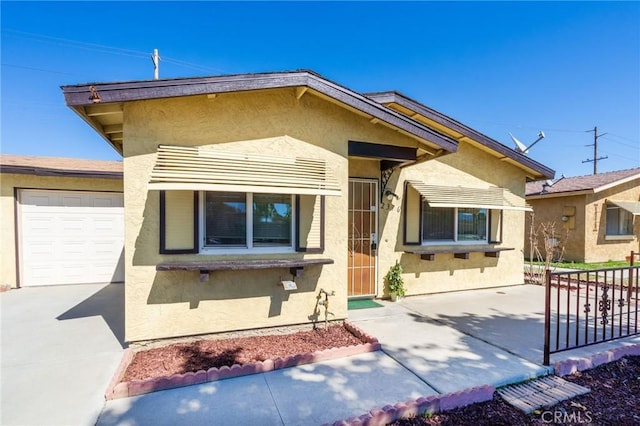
46,171
538,196
79,96
616,183
523,161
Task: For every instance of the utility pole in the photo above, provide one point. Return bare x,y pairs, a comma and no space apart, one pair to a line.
156,64
595,158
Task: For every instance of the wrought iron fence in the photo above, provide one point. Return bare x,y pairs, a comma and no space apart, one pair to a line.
583,308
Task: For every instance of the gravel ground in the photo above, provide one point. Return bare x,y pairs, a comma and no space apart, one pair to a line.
613,400
204,354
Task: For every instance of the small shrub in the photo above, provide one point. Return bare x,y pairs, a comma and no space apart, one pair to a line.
395,282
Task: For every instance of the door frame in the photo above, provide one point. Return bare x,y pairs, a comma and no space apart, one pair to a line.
376,193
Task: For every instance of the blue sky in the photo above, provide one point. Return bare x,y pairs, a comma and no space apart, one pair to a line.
498,67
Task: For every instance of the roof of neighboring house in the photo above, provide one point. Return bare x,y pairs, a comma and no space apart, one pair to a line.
58,166
580,184
101,106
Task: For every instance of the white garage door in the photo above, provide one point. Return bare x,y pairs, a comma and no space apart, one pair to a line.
70,237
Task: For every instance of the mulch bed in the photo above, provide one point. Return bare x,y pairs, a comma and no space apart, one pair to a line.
613,400
180,358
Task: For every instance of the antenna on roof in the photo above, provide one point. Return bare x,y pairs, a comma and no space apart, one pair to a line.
155,58
549,183
522,148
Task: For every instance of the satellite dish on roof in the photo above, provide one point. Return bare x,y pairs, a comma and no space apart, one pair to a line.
522,148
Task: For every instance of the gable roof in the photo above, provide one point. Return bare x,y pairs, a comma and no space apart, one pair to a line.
443,123
59,166
101,106
577,185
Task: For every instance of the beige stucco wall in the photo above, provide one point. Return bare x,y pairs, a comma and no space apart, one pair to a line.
468,167
8,182
587,241
549,211
599,248
165,304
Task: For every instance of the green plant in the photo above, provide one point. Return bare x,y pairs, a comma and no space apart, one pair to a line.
395,283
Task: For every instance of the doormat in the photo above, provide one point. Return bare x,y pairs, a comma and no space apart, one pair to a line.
362,304
541,392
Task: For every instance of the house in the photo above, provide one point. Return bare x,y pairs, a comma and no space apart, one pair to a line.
599,213
249,197
62,221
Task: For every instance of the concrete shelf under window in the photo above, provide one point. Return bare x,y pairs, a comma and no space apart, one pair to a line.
460,252
295,265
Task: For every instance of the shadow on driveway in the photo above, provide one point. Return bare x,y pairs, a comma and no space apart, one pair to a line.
108,303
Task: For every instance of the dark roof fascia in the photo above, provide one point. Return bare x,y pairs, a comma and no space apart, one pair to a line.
538,195
80,95
440,118
44,171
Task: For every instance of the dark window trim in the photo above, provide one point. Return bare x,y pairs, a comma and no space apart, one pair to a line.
491,213
196,227
456,227
196,231
298,247
404,218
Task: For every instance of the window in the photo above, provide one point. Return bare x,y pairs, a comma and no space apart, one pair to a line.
454,224
240,222
248,220
619,221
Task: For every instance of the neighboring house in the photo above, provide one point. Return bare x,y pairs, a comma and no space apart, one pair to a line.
600,213
62,221
238,186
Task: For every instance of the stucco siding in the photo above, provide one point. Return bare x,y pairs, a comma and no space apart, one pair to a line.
599,248
8,183
586,238
549,211
468,167
165,304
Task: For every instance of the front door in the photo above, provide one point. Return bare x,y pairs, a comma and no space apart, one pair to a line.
363,228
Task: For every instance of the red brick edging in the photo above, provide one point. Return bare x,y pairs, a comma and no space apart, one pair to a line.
569,366
416,407
118,389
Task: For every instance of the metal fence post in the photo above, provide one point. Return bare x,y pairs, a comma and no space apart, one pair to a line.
630,286
547,316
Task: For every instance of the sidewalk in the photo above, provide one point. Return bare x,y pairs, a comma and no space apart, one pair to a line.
432,344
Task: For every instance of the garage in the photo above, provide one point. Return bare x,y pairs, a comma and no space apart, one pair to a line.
70,237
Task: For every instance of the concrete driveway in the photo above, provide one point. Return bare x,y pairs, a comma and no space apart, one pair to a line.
60,348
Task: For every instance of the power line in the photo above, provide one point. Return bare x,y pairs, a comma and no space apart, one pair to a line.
35,69
623,137
95,47
635,143
76,43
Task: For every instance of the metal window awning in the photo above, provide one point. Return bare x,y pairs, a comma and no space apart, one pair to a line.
479,198
632,207
194,168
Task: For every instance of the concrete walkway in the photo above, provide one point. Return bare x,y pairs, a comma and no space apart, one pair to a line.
60,347
431,344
